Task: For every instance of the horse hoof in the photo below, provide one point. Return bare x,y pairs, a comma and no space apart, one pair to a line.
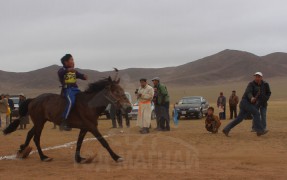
25,153
87,161
47,159
120,160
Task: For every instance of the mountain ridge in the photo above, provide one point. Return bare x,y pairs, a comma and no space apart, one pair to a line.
222,67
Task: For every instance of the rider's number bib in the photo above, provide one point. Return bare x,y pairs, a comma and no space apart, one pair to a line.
70,78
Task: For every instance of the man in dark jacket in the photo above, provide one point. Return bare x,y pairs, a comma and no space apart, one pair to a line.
221,103
25,119
262,100
163,103
233,102
117,116
248,104
157,109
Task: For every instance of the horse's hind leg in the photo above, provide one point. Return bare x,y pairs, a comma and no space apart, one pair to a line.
81,137
30,135
24,150
105,144
38,132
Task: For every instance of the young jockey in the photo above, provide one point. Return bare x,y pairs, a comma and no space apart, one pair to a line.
212,122
68,77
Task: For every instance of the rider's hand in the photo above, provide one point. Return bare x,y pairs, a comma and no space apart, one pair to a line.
253,100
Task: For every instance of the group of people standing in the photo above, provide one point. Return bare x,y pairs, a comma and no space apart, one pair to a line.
233,103
158,95
254,102
7,107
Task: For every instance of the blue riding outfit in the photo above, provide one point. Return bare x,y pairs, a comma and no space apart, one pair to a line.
70,88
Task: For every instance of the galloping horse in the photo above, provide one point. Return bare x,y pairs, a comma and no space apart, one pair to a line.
84,115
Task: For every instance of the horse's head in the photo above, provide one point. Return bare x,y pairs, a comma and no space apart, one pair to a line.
115,94
109,91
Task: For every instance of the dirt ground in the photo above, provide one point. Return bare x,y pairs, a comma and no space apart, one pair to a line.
186,152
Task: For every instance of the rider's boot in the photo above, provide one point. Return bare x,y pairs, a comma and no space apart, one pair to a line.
65,125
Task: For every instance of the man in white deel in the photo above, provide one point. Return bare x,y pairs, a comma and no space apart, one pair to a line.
3,111
145,95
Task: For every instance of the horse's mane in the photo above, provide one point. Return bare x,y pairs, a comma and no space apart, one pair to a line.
98,85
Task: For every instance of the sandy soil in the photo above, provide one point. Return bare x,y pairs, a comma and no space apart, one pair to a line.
186,152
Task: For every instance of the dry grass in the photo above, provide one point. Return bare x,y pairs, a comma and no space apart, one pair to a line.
187,152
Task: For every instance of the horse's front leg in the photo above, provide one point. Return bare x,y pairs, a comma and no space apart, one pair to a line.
105,144
81,137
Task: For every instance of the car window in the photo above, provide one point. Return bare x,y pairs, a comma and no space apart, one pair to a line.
15,100
190,101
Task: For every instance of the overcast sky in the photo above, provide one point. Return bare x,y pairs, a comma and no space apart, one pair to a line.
102,34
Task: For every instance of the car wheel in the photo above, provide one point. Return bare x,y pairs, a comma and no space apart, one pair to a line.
200,115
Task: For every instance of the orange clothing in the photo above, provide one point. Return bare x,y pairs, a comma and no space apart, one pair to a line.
144,112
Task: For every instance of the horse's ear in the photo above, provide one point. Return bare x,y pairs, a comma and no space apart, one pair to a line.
110,79
117,74
118,81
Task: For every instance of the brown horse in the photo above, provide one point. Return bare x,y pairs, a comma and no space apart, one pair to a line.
84,115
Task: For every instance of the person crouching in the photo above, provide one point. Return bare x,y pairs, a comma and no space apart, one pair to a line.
212,122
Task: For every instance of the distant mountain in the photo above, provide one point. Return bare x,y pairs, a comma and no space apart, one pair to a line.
229,65
225,66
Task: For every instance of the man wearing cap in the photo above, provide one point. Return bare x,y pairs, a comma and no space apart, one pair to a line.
25,119
144,95
3,110
157,109
262,100
248,104
163,103
233,102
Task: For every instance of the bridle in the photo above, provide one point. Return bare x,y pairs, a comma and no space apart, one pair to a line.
110,97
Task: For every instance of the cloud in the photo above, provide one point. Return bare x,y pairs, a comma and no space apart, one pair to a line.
135,33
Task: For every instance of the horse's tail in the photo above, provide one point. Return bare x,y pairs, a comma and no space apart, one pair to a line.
23,111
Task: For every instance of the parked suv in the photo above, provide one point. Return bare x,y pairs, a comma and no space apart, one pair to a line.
192,106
